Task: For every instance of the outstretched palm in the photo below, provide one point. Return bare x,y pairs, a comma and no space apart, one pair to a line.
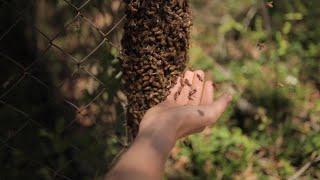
188,109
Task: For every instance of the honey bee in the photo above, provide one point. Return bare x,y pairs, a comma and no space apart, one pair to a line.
191,93
132,9
181,82
261,46
214,85
176,94
201,113
180,89
199,77
186,81
151,12
156,100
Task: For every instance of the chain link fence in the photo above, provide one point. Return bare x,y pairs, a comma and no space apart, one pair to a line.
61,109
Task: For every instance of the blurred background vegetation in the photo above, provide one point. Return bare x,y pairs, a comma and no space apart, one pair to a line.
65,120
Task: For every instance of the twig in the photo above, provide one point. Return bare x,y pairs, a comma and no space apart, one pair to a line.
250,15
304,168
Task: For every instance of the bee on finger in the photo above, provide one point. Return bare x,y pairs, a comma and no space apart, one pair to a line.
191,93
215,86
201,113
181,82
186,81
199,77
176,95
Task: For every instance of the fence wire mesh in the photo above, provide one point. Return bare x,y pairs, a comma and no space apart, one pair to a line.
61,111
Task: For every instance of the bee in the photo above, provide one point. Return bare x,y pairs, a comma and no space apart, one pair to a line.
181,82
201,113
135,120
156,100
214,85
145,33
186,81
176,95
150,39
132,9
179,12
172,68
159,32
199,77
151,12
146,78
132,23
191,93
179,90
261,46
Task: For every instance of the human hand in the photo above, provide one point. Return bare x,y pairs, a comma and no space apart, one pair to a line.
188,109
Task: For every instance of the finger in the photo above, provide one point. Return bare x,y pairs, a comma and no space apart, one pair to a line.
206,99
183,97
197,86
212,112
198,117
207,94
173,91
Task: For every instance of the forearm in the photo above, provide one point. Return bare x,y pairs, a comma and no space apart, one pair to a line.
145,159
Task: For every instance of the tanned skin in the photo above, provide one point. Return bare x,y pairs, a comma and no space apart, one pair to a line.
164,124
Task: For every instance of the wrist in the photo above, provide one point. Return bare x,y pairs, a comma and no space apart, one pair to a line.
162,143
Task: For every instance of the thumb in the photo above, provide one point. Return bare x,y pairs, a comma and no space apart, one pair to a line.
215,110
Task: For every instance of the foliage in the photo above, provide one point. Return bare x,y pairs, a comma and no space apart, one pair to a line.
272,129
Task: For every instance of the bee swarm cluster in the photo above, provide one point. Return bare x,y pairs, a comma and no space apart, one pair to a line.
154,52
